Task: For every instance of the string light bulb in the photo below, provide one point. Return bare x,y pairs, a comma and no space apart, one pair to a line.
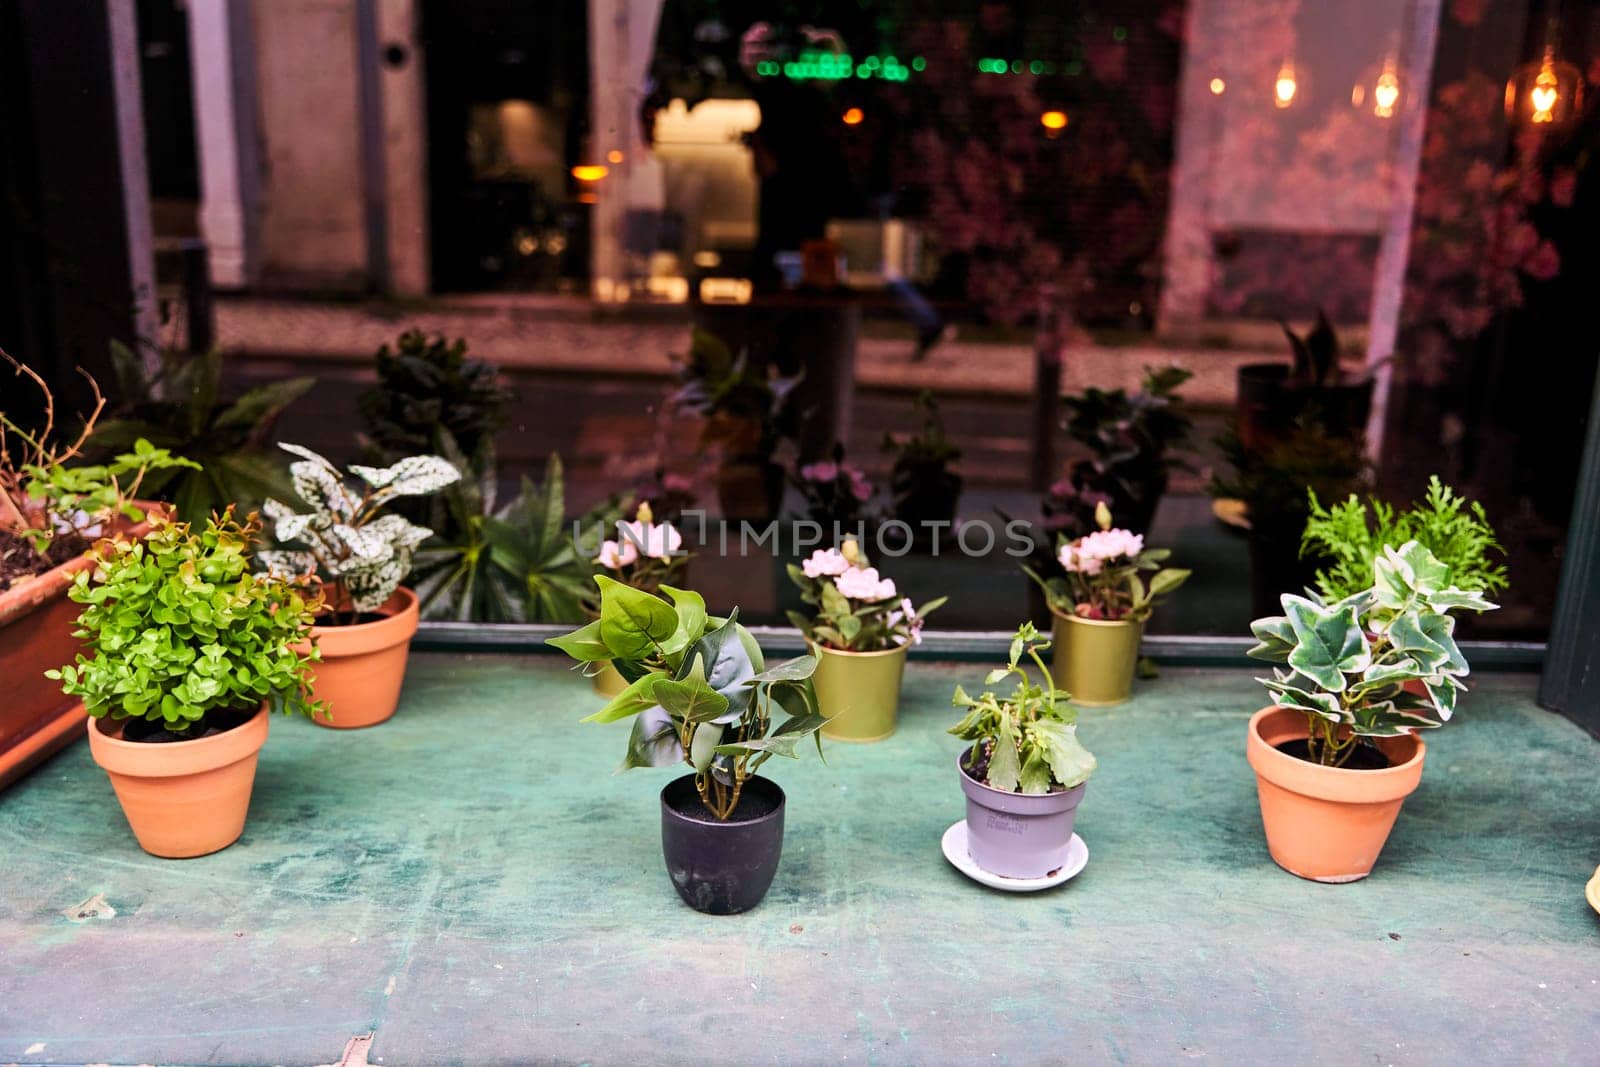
853,116
1548,92
1053,120
1218,86
1285,87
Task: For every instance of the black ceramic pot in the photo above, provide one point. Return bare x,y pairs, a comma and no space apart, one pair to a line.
722,868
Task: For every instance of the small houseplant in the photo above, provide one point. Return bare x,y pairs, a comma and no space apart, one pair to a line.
53,505
924,490
700,694
646,555
748,412
1337,753
1025,770
359,556
859,629
185,652
1273,398
1100,603
1130,439
835,492
1351,537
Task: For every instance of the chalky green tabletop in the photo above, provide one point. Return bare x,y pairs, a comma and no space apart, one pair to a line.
469,884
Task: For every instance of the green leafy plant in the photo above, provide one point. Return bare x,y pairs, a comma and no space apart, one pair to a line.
1273,481
1130,439
922,485
515,563
699,691
181,408
426,387
1026,742
1380,663
179,633
348,544
1352,535
45,494
853,609
1099,575
746,406
1316,354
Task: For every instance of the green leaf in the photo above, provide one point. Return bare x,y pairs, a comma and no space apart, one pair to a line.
653,742
583,644
690,698
727,664
1034,778
632,622
1070,763
703,746
793,670
1004,768
639,695
1330,643
1165,581
691,611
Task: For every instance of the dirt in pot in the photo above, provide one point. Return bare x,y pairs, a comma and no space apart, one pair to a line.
215,721
19,562
1365,757
332,618
753,805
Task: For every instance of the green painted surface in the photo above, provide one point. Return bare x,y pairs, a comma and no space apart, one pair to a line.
469,882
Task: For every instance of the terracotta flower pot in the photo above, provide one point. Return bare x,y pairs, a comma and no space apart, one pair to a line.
859,692
182,798
1094,659
1327,824
363,666
1018,835
36,625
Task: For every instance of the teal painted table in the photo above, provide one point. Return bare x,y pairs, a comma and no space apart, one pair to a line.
469,884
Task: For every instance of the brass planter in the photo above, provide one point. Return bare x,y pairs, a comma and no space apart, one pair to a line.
608,683
1094,659
859,692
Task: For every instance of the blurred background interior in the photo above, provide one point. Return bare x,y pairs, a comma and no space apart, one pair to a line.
977,232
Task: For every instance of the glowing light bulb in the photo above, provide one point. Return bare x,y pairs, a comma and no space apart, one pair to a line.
1284,88
1544,95
853,116
614,156
1386,93
590,172
1218,86
1053,120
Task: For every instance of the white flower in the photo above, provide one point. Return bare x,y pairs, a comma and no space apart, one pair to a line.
864,584
1088,555
824,563
906,614
659,541
617,556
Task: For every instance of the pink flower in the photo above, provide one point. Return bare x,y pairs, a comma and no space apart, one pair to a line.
820,472
656,540
906,614
825,563
1543,263
864,584
617,556
860,488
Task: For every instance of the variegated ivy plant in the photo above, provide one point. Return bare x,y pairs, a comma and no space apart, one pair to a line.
359,553
1380,663
698,690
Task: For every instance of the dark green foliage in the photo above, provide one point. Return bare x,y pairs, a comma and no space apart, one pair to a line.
1130,438
747,408
1316,355
180,408
922,485
1273,482
426,385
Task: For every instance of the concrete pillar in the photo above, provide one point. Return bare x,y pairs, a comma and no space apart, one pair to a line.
403,118
222,69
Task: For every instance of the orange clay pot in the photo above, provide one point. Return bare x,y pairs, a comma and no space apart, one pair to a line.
1327,824
182,798
363,665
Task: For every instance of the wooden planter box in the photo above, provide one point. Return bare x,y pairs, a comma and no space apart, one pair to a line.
36,624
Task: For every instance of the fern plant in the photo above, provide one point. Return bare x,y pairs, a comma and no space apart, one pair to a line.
1353,534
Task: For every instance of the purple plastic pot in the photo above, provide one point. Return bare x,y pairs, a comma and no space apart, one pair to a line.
722,868
1018,835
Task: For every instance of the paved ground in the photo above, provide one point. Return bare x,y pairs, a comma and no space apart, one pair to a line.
469,885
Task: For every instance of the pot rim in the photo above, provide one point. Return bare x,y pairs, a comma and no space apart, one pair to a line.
408,604
823,649
1096,622
1340,784
198,755
708,820
364,638
987,788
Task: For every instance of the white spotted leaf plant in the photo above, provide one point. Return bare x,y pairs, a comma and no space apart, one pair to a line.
345,540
